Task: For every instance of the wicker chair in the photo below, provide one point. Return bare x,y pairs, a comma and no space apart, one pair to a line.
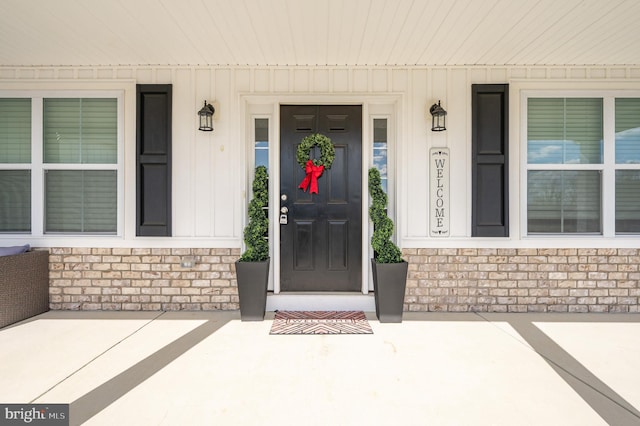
24,286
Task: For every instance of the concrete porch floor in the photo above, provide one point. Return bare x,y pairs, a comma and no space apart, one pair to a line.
209,368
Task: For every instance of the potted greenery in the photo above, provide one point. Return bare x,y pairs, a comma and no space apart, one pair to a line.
388,267
252,269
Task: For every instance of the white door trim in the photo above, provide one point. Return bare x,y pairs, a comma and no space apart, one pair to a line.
268,106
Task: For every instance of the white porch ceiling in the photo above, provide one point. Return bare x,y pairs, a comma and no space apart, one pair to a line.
319,32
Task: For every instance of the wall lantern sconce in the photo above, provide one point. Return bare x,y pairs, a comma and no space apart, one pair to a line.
438,118
206,117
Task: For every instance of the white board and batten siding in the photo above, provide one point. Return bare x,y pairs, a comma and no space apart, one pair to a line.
211,170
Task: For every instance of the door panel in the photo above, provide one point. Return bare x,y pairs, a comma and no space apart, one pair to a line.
320,246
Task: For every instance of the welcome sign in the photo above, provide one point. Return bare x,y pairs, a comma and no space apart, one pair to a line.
439,192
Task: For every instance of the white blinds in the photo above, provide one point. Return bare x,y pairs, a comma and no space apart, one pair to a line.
628,152
76,131
627,131
15,148
15,200
563,201
80,131
627,201
81,201
15,131
564,131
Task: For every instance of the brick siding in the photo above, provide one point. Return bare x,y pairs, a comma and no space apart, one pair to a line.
523,280
447,280
133,279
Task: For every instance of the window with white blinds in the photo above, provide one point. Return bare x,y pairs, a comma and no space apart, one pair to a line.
15,201
563,201
15,131
628,131
627,165
80,131
575,161
628,201
73,167
80,201
15,152
564,131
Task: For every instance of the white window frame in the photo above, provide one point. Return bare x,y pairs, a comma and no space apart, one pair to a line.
38,167
608,166
373,106
380,112
251,161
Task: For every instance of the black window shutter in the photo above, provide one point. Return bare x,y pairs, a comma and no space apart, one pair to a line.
153,142
490,160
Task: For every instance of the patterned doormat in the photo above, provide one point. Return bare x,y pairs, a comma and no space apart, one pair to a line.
320,322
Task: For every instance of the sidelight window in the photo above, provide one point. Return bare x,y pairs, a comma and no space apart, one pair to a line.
261,142
380,150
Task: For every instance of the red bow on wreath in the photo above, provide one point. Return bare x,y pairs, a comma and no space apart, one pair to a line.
313,173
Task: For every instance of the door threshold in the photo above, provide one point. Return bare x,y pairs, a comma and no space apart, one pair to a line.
306,301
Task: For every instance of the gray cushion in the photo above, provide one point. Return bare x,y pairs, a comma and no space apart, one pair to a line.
8,251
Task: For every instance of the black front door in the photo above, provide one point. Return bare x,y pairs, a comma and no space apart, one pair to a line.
320,245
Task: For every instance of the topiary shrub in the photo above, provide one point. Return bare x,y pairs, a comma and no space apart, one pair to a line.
256,231
384,250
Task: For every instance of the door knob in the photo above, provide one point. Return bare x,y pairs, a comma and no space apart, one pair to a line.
284,210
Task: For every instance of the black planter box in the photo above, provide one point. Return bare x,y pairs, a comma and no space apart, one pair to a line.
253,278
389,284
